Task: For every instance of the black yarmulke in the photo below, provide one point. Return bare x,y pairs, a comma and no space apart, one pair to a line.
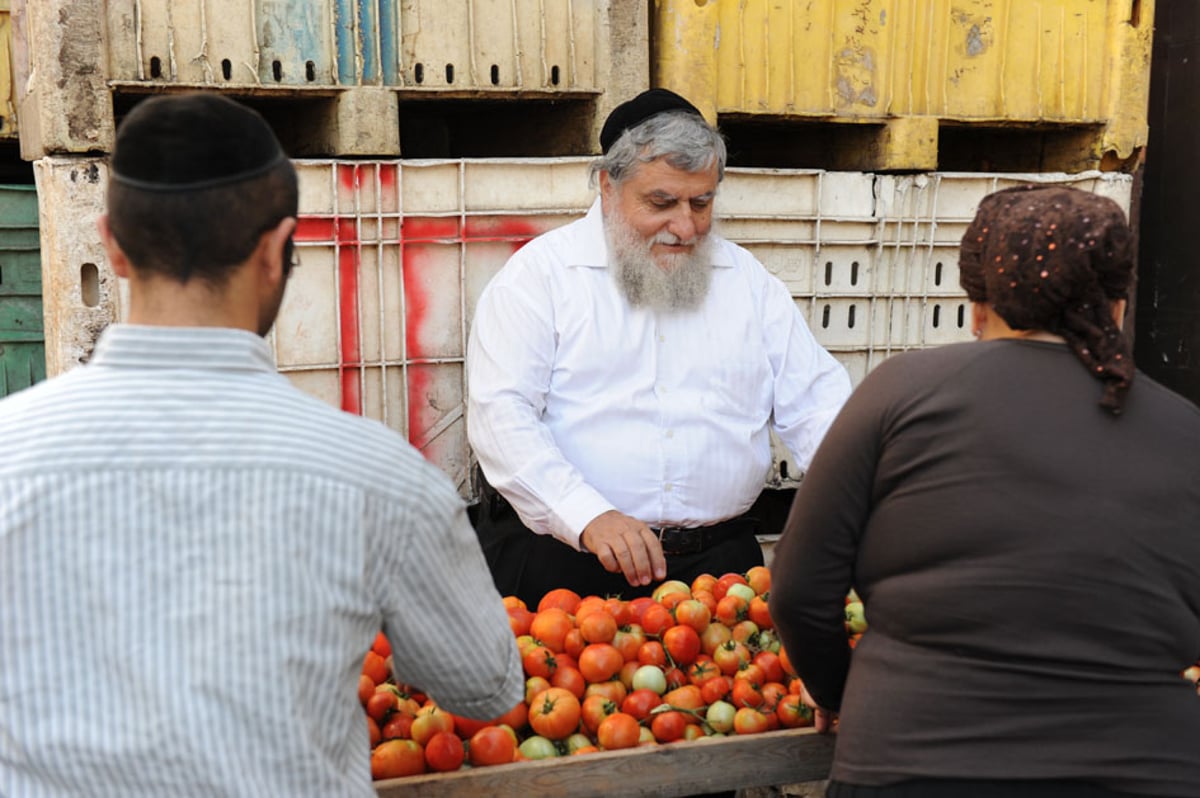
633,112
192,141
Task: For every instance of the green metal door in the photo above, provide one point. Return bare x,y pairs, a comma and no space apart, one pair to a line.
22,338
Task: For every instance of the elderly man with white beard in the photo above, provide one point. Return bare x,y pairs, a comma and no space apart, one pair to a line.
624,373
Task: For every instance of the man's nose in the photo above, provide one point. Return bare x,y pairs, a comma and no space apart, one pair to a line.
685,224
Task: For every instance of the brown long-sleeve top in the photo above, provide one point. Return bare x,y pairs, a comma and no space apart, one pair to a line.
1030,568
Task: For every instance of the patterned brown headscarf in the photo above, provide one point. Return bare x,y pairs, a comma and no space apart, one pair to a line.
1053,258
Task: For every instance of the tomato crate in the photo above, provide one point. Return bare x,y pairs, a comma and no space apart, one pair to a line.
709,764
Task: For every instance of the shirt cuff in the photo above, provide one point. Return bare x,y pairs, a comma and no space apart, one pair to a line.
577,511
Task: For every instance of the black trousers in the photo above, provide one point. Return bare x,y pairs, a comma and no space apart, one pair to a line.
528,565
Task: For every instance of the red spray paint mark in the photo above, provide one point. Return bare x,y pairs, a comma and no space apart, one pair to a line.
315,228
516,232
350,367
430,228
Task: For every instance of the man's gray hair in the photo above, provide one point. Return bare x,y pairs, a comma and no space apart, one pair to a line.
683,139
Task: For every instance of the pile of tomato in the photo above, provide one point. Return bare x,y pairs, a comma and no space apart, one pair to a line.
689,661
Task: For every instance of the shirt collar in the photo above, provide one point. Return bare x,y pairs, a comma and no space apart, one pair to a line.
592,247
210,348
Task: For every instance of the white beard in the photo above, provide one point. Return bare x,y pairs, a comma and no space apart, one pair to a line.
671,282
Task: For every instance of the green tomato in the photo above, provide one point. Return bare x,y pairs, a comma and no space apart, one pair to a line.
650,677
538,747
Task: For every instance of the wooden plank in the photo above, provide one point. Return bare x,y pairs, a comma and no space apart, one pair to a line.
707,765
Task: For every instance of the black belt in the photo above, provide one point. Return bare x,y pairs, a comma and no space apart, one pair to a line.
677,540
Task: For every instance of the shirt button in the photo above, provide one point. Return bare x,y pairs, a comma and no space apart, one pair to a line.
669,433
662,339
667,488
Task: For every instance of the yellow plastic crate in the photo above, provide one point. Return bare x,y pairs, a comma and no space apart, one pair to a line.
982,62
8,104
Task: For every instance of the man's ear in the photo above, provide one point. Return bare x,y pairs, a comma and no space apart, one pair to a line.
606,191
117,259
271,249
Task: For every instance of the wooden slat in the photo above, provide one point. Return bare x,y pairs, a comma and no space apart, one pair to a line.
706,765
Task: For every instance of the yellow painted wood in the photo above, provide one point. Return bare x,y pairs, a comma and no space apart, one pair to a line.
1077,62
685,49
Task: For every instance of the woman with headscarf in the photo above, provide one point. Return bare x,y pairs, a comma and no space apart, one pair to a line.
1021,518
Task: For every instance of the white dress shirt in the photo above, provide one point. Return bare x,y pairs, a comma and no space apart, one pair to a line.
195,557
580,403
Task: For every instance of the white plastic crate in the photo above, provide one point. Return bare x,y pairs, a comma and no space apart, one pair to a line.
394,256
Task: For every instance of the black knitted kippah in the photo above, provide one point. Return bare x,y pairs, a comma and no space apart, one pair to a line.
191,142
633,112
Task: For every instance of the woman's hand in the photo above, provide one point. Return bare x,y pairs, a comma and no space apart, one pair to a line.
824,721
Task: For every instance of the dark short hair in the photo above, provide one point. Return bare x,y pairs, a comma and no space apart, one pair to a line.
196,179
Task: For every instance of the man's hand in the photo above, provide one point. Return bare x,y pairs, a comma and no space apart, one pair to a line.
625,545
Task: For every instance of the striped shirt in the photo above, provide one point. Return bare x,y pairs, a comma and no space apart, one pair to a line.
194,558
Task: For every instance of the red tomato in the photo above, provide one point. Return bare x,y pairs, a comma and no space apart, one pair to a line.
492,745
760,613
628,640
519,619
381,646
393,759
618,730
599,627
682,644
693,613
512,602
771,665
702,669
716,688
731,610
706,598
573,643
639,703
637,606
793,713
703,583
745,631
656,619
594,709
773,693
600,662
554,713
373,732
713,636
668,727
745,693
561,597
731,656
380,704
759,578
535,685
724,581
652,653
687,696
620,610
550,627
444,752
587,606
376,667
786,663
749,720
539,660
398,727
366,688
569,679
675,677
614,690
429,721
